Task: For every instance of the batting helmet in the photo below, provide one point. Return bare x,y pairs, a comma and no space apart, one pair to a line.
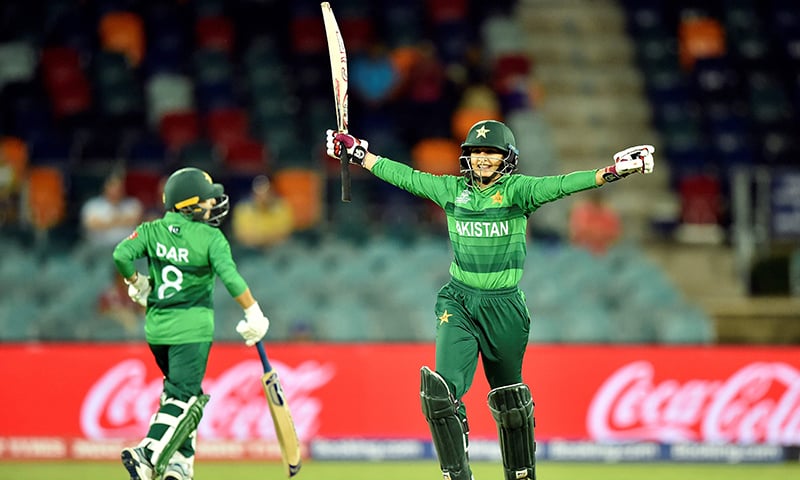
188,187
490,134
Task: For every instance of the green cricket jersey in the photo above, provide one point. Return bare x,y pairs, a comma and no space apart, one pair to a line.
184,257
487,228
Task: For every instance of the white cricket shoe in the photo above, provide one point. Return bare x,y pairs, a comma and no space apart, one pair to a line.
137,464
177,471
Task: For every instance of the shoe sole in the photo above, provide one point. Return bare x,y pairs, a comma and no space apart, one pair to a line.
131,465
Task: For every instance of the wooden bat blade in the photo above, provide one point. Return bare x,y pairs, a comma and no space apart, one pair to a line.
339,76
282,420
338,59
281,416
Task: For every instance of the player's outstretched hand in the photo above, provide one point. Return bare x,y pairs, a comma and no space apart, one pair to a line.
139,289
254,326
638,159
356,149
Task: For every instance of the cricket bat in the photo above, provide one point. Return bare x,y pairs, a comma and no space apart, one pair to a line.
338,58
281,417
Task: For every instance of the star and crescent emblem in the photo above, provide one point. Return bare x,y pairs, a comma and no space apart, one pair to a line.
445,317
497,198
481,132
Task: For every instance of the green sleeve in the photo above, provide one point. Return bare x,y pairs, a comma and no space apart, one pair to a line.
536,191
219,252
128,250
438,188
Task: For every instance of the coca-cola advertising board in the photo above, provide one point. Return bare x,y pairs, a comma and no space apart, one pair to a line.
85,400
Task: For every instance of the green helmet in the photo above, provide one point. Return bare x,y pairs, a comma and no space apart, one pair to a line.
490,134
187,187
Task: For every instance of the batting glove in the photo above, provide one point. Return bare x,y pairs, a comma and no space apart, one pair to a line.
254,326
631,160
139,289
356,149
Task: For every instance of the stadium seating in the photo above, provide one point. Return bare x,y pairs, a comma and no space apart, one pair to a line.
220,86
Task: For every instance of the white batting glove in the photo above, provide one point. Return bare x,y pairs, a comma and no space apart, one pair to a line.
638,159
139,289
254,326
356,149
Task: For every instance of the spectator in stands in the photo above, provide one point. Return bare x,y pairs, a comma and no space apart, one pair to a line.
264,219
111,216
427,102
594,224
374,81
13,161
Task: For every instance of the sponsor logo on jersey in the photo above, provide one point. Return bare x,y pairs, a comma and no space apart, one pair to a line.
133,235
463,197
174,229
482,229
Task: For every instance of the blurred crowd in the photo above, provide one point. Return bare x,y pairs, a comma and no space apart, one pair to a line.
100,100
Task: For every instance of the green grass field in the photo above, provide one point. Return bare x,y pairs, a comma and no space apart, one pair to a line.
407,471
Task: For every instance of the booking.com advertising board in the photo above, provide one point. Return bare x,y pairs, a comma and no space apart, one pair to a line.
361,401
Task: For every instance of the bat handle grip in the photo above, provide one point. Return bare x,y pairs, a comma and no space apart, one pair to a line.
263,355
345,174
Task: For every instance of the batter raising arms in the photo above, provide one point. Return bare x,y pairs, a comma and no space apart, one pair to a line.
481,310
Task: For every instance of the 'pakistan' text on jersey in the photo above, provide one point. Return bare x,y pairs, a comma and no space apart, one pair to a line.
183,257
487,227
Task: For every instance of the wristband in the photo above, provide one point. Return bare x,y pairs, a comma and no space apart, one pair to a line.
253,311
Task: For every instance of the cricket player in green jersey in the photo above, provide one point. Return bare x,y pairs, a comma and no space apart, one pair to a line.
185,253
481,310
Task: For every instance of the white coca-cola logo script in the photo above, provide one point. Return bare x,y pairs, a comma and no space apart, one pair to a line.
122,401
760,403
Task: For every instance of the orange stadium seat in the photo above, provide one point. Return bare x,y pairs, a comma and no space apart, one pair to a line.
699,37
14,153
302,189
465,117
46,199
123,32
436,155
403,58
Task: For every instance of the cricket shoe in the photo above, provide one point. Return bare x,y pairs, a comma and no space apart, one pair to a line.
177,471
136,463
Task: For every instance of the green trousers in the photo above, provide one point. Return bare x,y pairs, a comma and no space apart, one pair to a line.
183,367
491,323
